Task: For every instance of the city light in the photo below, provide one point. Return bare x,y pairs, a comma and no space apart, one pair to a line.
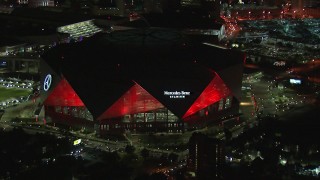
159,89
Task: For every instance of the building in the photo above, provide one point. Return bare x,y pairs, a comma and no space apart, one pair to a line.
206,157
47,26
300,4
185,21
79,30
209,8
40,3
26,32
140,80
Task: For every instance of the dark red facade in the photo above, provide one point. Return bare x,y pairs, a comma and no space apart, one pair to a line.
214,92
63,95
135,100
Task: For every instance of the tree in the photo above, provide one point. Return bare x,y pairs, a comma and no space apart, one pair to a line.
145,153
158,176
173,157
110,157
227,133
129,149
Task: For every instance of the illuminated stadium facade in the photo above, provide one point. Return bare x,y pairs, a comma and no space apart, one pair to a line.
140,81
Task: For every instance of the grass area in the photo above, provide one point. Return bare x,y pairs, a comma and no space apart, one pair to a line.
165,142
160,139
6,93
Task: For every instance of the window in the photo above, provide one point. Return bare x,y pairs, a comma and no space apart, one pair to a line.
228,102
75,112
58,109
220,105
66,110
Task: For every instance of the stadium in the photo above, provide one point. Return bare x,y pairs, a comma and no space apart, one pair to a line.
140,80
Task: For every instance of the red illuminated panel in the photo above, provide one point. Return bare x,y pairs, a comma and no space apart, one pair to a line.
63,95
215,91
135,100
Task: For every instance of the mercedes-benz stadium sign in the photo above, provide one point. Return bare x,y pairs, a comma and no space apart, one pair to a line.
176,94
47,82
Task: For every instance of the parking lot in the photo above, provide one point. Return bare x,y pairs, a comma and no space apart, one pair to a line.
14,91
